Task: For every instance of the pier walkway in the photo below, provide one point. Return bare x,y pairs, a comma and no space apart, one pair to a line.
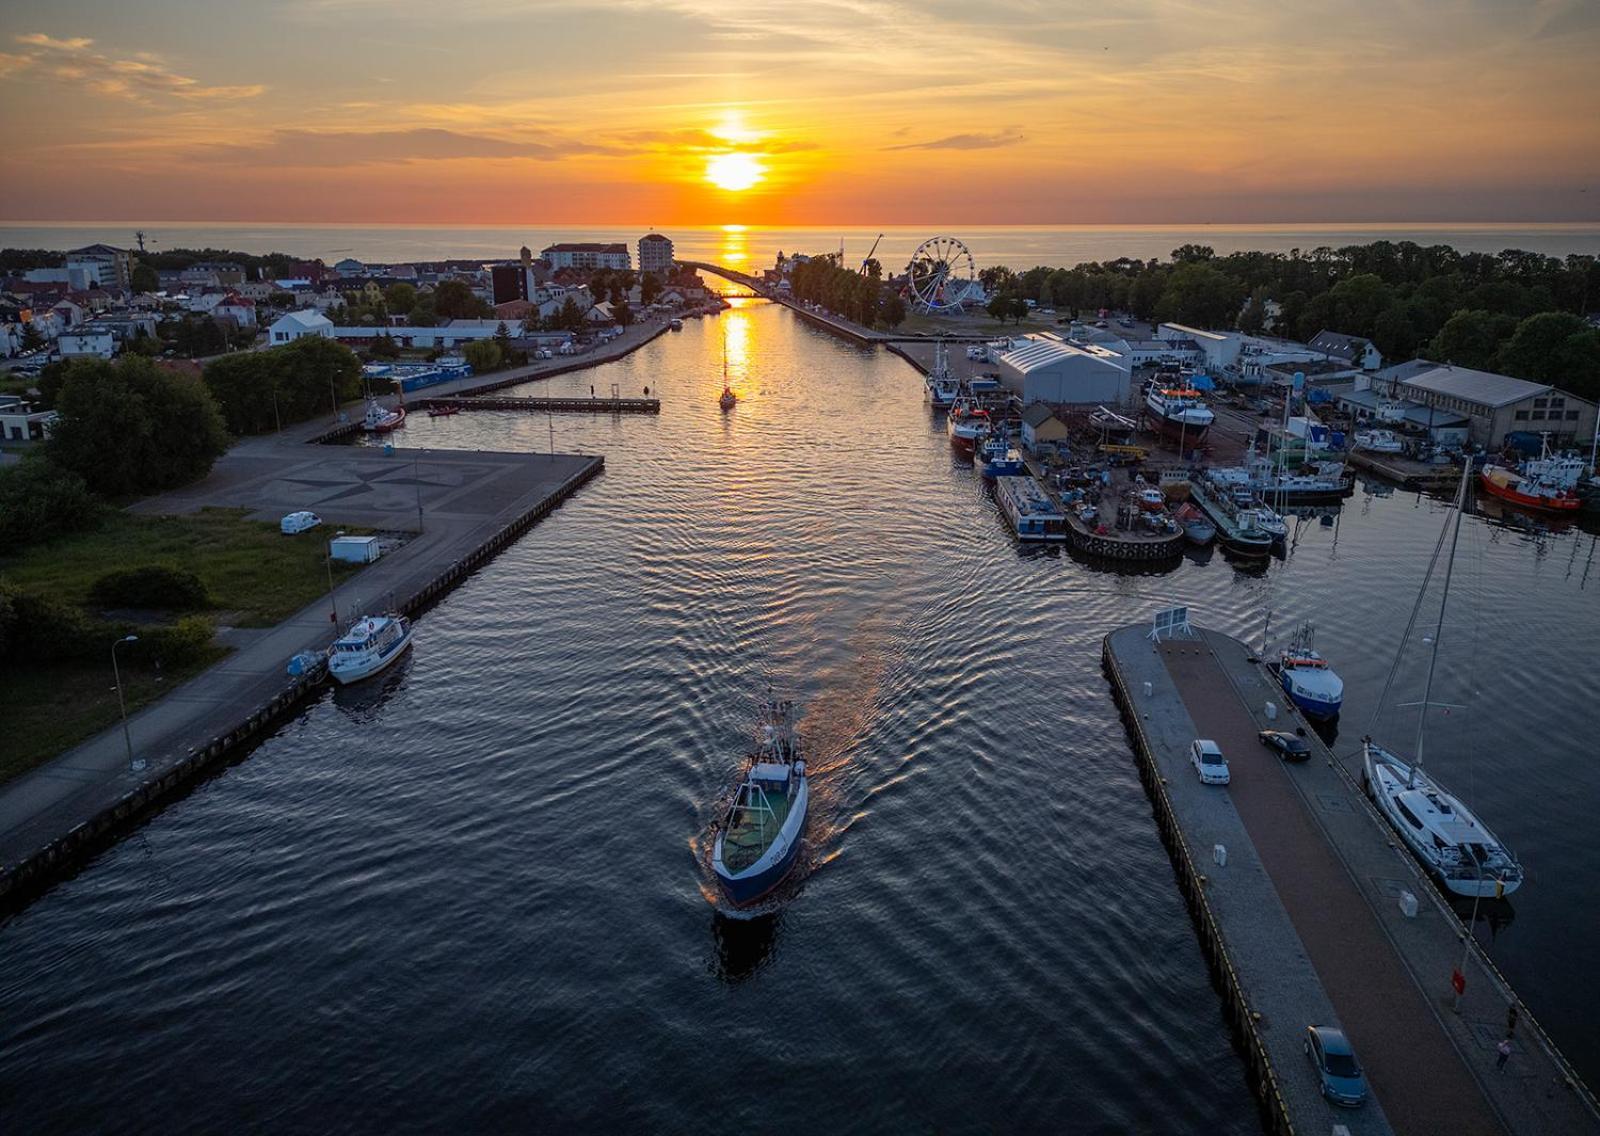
1304,923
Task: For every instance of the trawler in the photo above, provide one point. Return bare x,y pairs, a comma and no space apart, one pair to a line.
759,837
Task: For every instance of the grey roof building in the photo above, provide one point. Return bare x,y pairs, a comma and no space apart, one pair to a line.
1494,404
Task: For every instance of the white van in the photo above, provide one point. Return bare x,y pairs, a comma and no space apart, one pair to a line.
298,523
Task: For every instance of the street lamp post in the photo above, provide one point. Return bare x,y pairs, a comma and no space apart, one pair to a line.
122,703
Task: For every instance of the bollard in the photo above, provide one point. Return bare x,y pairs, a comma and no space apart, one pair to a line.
1149,689
1408,905
1219,853
1272,711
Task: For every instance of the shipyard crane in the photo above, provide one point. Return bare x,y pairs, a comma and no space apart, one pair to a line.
863,269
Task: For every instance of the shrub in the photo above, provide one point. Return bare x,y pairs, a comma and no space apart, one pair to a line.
151,586
183,642
39,501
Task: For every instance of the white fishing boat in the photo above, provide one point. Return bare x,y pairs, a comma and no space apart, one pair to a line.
1446,836
372,644
967,425
942,385
1379,442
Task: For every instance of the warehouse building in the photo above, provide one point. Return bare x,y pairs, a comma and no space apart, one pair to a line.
1494,405
1044,368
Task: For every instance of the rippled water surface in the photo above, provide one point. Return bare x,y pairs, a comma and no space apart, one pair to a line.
475,895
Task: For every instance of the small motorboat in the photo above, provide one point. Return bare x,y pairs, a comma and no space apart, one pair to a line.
1151,499
380,420
1197,529
675,324
372,644
727,399
443,411
1379,442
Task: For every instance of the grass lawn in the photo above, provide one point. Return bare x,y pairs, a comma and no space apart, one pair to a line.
249,567
977,324
52,708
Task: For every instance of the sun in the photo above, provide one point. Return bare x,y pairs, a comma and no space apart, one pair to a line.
734,171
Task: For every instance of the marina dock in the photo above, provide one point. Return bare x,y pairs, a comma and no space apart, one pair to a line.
1299,890
1406,472
578,405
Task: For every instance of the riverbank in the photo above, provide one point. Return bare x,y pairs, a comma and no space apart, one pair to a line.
468,505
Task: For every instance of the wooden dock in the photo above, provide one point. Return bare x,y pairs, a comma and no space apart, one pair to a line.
579,405
1296,886
1404,471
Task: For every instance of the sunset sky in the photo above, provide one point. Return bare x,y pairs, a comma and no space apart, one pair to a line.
684,112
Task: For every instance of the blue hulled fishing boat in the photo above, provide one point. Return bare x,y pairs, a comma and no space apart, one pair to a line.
759,837
1308,680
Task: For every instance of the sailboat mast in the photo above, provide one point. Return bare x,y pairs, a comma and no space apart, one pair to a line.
1438,629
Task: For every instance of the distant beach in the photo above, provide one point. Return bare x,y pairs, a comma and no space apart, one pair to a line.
756,246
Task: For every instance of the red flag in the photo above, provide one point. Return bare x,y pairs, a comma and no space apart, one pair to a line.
1459,981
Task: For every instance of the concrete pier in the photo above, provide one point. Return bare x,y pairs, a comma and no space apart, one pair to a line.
1301,917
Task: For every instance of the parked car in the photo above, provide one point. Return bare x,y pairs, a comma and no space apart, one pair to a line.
1291,747
1206,757
299,522
1342,1082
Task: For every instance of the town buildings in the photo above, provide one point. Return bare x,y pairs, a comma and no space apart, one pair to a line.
1493,405
104,266
296,325
570,254
655,254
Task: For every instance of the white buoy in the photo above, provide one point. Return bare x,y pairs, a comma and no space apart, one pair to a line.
1219,853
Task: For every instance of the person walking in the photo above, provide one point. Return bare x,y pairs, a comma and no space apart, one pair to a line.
1504,1049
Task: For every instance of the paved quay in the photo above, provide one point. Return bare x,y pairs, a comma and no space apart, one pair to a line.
466,500
1308,920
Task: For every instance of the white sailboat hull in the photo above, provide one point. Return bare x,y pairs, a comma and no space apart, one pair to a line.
1464,856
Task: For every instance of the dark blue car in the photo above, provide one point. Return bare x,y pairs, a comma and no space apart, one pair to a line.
1342,1082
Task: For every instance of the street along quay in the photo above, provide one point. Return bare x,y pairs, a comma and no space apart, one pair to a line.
455,510
1311,914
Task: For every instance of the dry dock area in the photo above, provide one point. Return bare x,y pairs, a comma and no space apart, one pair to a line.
1302,917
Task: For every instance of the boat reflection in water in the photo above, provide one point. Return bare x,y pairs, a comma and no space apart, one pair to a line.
363,701
744,946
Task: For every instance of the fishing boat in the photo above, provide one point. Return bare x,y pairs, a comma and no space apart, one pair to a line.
371,645
1307,679
1196,529
1008,464
967,424
942,386
1547,483
675,324
379,419
1177,412
1447,837
1273,522
1113,427
1151,499
444,410
1379,442
759,836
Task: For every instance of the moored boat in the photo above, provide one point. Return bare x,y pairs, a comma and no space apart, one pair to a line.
1307,679
1032,515
380,419
942,385
1527,492
443,411
1008,464
758,839
1447,837
967,424
1197,530
1378,442
372,644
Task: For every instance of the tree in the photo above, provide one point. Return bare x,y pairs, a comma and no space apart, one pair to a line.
502,339
144,279
384,347
1201,296
893,310
1535,349
452,299
1471,338
400,298
569,317
1253,317
483,355
134,426
39,501
257,390
649,288
1192,254
31,339
1395,332
624,314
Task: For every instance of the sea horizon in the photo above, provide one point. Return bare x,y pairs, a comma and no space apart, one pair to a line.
1018,246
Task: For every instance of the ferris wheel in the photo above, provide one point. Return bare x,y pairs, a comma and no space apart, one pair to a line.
941,274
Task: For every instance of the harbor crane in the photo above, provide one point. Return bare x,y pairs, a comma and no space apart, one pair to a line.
863,269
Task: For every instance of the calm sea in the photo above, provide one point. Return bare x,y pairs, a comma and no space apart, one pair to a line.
755,246
475,895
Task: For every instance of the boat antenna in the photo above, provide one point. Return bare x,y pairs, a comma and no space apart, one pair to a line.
1438,629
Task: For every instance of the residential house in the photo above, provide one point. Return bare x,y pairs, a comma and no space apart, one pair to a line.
79,345
1041,429
1353,350
235,307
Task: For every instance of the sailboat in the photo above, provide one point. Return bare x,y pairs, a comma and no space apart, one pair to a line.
1452,843
728,397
